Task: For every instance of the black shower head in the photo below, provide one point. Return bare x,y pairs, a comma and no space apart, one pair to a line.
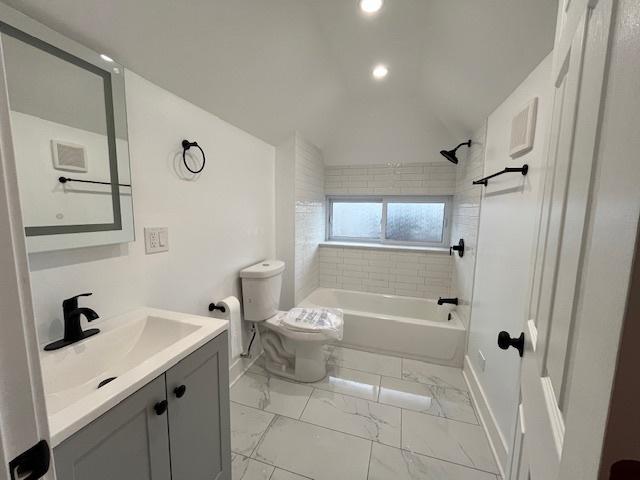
451,154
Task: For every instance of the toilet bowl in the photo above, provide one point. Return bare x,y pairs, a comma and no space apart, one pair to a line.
289,352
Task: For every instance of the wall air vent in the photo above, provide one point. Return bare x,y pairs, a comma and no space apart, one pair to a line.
69,156
523,128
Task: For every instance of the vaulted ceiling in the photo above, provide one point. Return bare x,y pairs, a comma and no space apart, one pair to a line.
272,67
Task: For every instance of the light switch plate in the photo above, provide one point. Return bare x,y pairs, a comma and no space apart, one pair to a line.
156,239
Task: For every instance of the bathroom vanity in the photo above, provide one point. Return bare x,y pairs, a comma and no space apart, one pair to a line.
146,398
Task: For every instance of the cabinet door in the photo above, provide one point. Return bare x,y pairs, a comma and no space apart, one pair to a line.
129,442
199,432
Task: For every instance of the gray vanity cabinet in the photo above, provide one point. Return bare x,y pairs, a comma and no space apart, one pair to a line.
128,442
199,431
174,428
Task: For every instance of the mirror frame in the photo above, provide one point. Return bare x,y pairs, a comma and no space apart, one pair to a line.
111,135
121,230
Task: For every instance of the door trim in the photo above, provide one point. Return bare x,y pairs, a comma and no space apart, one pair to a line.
497,441
555,415
23,420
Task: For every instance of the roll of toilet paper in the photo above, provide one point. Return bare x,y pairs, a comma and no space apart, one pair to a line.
232,313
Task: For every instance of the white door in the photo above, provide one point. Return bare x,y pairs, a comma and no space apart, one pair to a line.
578,75
23,421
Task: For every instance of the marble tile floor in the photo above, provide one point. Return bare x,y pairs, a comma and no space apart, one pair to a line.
374,417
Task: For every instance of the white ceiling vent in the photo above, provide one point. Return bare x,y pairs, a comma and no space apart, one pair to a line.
69,156
523,129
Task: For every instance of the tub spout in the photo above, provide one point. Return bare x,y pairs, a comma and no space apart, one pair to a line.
452,301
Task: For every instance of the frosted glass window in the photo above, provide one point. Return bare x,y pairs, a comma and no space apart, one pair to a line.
357,220
415,222
421,221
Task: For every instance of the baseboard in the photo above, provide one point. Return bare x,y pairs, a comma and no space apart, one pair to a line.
497,441
241,365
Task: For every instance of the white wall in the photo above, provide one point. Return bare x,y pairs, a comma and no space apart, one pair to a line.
309,216
285,185
466,220
406,179
387,130
506,239
218,223
300,217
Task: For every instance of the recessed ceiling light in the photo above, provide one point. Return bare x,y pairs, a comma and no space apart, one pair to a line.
106,58
380,71
371,6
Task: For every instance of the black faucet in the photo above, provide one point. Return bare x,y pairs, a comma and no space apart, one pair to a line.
72,330
452,301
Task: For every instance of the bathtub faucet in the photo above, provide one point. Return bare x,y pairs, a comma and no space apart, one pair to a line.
452,301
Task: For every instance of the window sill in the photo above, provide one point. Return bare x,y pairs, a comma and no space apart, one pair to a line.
377,246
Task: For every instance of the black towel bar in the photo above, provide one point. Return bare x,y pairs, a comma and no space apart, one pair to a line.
67,179
485,181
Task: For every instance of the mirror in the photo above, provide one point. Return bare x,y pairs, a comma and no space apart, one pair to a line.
69,132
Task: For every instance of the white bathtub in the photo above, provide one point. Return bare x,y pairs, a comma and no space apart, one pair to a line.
410,327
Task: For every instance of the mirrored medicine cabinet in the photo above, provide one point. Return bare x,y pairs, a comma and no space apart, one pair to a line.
68,125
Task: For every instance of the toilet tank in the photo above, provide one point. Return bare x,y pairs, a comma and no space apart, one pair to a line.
261,285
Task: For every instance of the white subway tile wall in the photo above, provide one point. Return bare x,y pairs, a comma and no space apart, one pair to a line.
465,222
424,274
407,179
310,216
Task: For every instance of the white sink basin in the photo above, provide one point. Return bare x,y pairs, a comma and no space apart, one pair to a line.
134,348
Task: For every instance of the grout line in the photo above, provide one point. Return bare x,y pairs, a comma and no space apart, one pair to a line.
307,422
253,460
372,441
262,437
285,470
401,425
343,433
307,403
444,460
363,371
369,462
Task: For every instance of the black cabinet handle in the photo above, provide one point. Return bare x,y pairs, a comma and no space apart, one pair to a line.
180,390
505,341
161,407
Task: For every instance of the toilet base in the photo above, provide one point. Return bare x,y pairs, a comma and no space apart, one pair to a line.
307,363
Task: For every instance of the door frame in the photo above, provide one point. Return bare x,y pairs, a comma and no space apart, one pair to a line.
23,418
610,235
609,250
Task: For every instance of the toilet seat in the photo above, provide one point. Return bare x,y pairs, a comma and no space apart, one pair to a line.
275,324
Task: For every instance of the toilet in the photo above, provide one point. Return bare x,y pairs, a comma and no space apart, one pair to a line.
289,352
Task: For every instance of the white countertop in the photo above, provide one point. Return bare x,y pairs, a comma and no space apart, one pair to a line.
135,347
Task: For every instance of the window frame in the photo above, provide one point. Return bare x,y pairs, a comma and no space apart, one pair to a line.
384,201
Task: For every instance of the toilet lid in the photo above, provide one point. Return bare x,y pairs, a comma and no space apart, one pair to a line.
313,320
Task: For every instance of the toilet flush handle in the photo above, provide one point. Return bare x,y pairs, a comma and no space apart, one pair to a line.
213,306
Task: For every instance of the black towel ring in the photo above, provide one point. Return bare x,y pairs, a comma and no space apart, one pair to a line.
186,145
